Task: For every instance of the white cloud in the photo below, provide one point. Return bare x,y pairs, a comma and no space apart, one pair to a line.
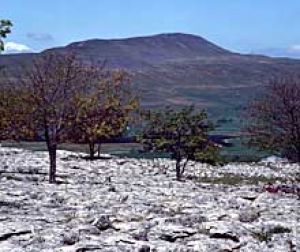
13,47
289,52
40,37
294,48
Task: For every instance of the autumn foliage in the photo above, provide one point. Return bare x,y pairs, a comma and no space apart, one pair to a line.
106,111
60,99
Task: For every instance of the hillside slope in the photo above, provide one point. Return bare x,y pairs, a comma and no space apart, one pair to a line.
180,69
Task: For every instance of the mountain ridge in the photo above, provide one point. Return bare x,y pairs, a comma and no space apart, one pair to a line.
137,52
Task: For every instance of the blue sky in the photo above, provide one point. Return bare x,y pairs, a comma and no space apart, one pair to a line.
264,26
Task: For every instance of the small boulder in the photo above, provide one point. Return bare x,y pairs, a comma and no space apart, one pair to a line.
70,237
103,223
248,215
144,248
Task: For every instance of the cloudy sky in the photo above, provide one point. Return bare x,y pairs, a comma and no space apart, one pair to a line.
249,26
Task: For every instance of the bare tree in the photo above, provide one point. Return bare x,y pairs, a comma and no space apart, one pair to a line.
273,121
43,102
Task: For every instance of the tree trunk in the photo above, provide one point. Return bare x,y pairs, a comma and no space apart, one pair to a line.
52,154
52,147
184,165
99,150
178,171
92,150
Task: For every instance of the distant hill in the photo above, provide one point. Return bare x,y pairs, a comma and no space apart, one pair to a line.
180,69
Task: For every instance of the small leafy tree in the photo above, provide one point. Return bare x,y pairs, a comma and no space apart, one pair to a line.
5,28
106,112
273,120
183,134
43,103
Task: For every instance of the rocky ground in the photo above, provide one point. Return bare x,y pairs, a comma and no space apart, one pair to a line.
136,205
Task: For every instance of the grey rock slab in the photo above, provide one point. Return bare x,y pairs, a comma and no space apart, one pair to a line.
147,206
